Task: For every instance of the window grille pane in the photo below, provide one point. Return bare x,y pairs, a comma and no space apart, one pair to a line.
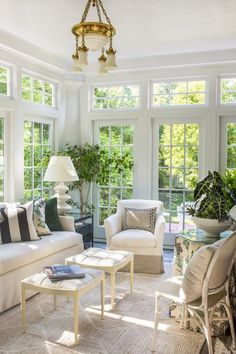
175,93
116,97
38,90
116,141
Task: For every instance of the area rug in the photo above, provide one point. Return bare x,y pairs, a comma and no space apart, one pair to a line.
125,330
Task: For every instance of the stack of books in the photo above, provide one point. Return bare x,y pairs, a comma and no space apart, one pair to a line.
62,272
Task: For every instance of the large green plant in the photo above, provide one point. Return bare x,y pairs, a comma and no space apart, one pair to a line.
94,164
213,198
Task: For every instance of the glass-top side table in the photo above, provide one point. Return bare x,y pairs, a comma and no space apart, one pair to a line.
84,226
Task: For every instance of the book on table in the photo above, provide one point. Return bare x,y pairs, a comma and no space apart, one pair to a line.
63,272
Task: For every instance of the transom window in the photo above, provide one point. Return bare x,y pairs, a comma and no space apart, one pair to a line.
2,142
38,90
116,97
4,81
177,172
228,91
175,93
37,151
117,141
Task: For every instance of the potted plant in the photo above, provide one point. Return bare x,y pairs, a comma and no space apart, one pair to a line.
93,164
212,203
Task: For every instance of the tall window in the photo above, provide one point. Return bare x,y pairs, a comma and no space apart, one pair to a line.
231,146
117,141
116,97
175,93
228,91
4,81
38,90
1,159
177,171
37,150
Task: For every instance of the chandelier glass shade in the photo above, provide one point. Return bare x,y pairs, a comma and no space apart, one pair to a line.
94,36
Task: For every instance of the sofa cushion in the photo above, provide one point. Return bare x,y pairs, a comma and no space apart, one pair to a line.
16,255
133,238
17,223
51,215
39,218
139,219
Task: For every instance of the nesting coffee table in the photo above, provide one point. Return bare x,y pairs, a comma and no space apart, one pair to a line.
108,261
74,288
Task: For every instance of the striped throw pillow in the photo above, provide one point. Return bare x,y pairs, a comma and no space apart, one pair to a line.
16,223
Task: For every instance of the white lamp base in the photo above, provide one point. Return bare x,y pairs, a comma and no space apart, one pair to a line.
62,196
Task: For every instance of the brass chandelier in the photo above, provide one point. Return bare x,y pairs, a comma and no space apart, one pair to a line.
94,36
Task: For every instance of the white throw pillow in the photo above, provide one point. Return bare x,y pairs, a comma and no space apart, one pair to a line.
139,219
195,272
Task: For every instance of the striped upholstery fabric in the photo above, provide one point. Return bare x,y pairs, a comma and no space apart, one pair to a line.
16,223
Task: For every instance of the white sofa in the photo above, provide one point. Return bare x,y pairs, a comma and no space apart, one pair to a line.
147,247
21,259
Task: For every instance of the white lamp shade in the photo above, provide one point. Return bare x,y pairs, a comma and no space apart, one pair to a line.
94,41
60,169
102,67
83,58
111,61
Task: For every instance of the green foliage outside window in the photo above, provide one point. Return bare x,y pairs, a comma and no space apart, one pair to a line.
116,97
228,91
176,93
4,81
38,91
37,152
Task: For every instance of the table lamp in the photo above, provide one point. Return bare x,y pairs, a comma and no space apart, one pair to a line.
61,169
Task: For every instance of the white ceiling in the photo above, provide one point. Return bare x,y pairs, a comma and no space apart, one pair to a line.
144,27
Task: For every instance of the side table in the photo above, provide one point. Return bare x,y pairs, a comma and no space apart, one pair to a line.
186,244
84,226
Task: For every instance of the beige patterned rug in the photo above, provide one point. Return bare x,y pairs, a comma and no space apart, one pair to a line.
126,330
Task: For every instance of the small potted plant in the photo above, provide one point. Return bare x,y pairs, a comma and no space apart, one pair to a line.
212,203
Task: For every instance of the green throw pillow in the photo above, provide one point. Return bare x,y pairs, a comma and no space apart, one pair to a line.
51,215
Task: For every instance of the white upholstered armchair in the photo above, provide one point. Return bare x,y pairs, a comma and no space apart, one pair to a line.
147,246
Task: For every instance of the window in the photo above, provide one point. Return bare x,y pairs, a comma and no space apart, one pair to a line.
37,150
177,172
228,91
175,93
4,81
116,97
2,159
38,91
117,141
231,146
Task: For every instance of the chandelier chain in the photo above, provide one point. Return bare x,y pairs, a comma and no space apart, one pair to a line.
98,11
104,11
86,10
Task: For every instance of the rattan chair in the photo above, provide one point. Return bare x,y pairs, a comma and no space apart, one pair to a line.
215,291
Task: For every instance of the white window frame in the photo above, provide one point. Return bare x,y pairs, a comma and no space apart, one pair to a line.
9,80
157,121
114,84
219,78
44,80
40,120
99,230
224,120
180,79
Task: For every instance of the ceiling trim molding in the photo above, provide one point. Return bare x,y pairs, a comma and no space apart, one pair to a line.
171,61
27,50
